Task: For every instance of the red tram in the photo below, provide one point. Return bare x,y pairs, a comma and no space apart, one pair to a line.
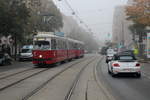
50,49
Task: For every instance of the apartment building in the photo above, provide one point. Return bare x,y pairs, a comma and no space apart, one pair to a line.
121,32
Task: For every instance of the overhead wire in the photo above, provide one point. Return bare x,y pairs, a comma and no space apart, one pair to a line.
77,17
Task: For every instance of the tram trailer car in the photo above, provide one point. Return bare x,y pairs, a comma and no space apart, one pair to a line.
75,49
50,49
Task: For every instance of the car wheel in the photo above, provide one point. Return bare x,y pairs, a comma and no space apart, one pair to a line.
138,75
20,60
113,75
106,61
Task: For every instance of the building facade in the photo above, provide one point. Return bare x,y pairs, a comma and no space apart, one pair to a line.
122,35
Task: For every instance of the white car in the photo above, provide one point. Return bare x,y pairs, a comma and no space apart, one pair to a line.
109,57
124,64
110,54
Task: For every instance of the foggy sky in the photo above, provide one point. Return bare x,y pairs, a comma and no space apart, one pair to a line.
97,14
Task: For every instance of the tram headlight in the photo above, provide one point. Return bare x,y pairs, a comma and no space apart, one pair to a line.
40,56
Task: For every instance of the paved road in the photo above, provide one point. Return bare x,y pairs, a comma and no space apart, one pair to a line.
126,87
16,65
94,83
76,80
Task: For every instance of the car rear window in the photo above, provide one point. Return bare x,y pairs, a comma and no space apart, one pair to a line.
126,58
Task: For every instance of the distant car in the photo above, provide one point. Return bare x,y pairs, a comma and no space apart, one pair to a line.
26,53
5,59
110,54
124,63
109,57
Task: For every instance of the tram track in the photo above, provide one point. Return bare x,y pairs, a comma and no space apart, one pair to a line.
3,87
72,88
48,81
71,94
10,72
15,73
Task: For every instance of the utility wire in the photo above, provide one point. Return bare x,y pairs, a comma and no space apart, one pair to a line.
77,16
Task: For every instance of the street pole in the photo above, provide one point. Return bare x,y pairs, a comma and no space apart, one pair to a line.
123,33
15,47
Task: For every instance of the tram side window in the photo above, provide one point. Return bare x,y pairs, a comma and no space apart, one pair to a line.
71,45
76,46
81,47
59,44
53,42
64,45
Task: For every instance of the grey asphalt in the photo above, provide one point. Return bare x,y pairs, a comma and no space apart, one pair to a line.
16,65
126,87
23,64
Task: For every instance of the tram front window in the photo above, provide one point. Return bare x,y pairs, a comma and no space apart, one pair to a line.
42,45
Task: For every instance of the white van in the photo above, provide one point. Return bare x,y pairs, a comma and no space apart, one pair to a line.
26,53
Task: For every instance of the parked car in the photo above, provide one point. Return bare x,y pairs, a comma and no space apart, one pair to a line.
26,53
124,63
5,59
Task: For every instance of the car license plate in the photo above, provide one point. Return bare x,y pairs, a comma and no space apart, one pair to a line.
109,58
128,70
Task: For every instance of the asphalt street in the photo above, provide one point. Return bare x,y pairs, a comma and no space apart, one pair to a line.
16,65
126,87
74,80
22,78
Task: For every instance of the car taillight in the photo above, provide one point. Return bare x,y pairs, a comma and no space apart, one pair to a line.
116,65
137,65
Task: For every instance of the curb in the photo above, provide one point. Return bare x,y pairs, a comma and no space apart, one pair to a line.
143,61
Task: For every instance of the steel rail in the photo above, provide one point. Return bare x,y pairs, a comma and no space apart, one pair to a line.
14,83
49,80
72,88
13,74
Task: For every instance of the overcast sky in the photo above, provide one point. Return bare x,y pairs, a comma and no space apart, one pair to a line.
97,14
